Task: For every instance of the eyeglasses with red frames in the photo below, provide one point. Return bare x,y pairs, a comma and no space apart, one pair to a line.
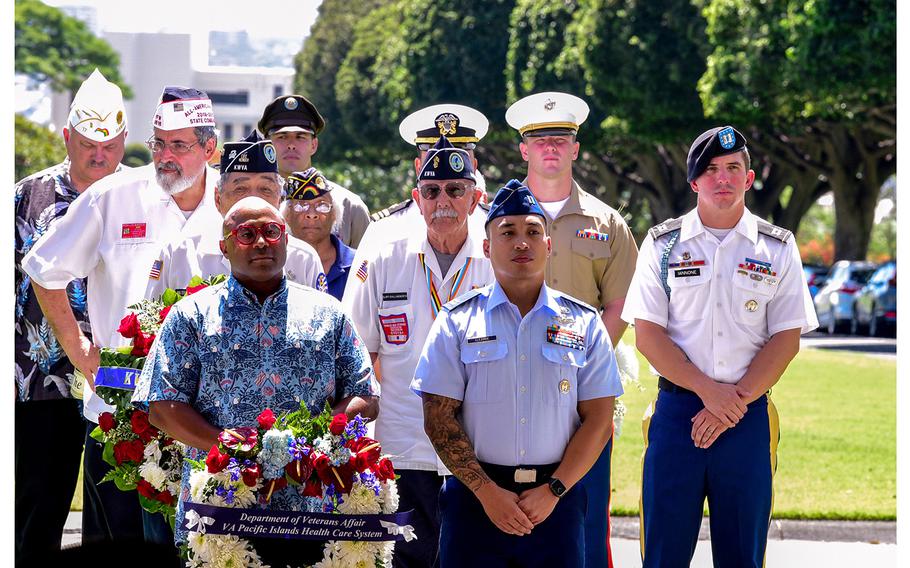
249,234
453,189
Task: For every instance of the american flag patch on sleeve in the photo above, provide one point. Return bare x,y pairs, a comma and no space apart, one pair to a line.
155,274
362,272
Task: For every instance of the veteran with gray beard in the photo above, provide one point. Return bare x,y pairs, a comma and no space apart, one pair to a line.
393,296
112,235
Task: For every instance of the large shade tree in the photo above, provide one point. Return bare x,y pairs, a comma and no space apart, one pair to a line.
54,47
818,79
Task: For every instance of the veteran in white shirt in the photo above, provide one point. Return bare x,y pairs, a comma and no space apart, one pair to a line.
393,298
114,232
248,168
111,235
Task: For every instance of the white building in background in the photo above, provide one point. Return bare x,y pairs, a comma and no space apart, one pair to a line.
151,61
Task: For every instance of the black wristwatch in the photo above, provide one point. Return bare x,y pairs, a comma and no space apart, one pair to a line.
557,487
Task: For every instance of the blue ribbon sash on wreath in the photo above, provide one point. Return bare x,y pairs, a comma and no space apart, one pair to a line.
264,523
117,377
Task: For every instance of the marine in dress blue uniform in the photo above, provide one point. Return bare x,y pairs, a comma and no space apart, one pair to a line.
718,301
518,382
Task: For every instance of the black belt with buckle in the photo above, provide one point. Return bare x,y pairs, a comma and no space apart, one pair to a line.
517,478
666,385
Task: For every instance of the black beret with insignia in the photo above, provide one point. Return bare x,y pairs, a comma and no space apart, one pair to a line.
445,161
306,185
289,113
710,144
252,154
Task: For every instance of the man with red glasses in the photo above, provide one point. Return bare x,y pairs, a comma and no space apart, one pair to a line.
256,341
248,168
111,235
393,297
593,258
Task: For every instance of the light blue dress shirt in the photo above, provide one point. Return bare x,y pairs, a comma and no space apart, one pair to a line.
519,379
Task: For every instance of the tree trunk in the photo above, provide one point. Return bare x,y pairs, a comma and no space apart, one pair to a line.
855,158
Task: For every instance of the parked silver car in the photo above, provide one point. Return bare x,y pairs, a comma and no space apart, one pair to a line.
875,305
834,301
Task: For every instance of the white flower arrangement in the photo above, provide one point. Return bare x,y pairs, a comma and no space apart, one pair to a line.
340,466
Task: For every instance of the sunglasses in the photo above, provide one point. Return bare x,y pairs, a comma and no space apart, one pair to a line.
453,189
248,234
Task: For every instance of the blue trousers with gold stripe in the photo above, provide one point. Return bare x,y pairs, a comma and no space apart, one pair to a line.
734,474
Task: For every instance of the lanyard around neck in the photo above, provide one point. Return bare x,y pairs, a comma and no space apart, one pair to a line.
435,302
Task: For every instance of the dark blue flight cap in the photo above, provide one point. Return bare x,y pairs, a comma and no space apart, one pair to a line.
252,154
444,161
306,185
514,198
710,144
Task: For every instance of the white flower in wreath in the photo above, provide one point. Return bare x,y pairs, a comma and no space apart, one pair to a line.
199,480
355,554
360,501
150,472
388,495
221,551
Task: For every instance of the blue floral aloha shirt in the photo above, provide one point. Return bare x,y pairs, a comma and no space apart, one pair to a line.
230,357
43,372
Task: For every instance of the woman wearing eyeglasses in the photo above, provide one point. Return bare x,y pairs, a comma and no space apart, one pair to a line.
312,217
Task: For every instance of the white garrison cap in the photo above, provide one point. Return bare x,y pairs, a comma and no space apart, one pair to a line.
97,111
183,107
460,124
547,114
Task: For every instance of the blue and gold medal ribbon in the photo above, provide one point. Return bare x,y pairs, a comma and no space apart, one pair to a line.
435,302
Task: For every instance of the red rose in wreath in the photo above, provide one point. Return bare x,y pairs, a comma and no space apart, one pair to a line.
106,421
129,326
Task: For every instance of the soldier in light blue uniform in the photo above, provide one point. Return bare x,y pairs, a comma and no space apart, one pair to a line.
518,383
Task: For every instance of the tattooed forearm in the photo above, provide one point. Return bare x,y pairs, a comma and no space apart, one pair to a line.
450,440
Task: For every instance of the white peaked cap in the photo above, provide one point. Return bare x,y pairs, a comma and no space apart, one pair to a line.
547,113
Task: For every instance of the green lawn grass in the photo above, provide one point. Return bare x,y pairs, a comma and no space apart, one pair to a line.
837,455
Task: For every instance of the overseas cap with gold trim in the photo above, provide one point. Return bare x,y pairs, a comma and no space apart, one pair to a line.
445,161
253,154
306,185
290,113
547,114
462,125
97,111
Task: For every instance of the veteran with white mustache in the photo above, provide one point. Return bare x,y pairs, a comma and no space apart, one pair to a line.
393,296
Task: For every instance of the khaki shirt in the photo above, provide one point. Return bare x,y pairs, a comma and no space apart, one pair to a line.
353,215
594,271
